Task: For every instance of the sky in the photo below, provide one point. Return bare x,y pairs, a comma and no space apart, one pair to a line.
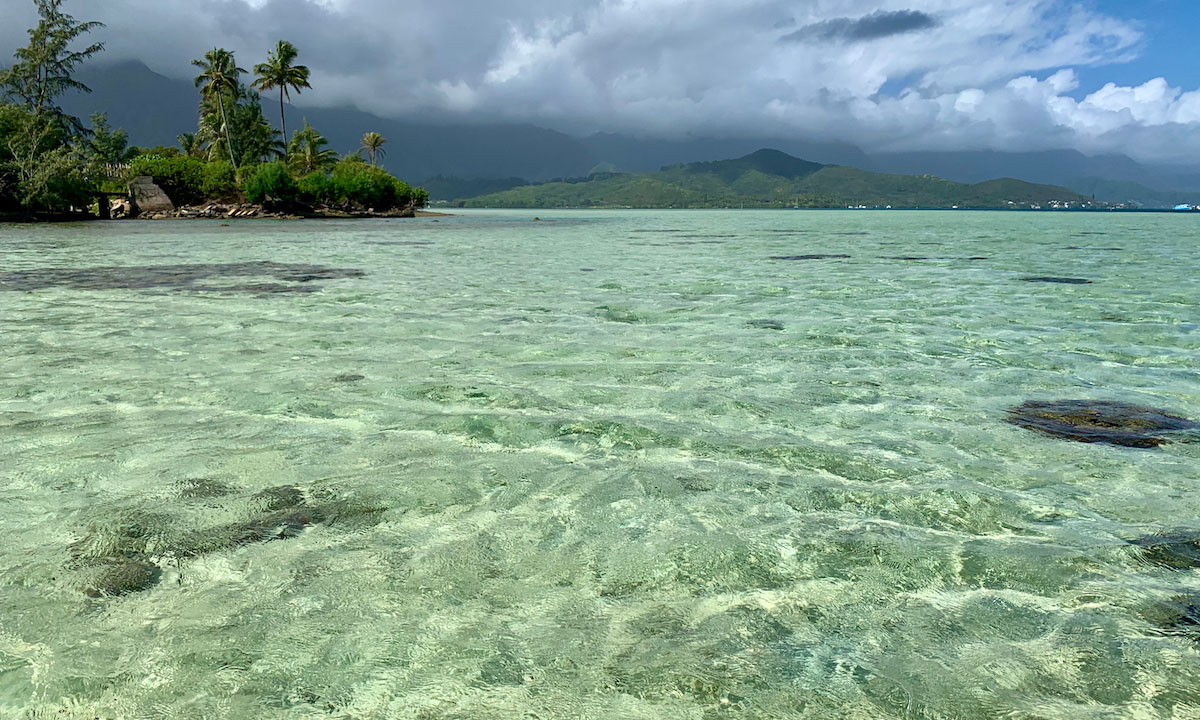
1099,76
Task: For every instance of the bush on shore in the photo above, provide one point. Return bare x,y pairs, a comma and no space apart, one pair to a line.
270,184
181,178
219,182
351,183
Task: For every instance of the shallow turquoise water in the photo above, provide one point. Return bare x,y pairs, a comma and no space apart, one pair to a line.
577,480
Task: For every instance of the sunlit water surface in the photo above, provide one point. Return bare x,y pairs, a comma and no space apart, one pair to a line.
601,465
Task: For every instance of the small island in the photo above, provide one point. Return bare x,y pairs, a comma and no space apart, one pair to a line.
53,166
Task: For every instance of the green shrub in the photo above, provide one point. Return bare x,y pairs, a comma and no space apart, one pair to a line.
316,187
181,178
167,151
357,183
244,172
271,183
219,181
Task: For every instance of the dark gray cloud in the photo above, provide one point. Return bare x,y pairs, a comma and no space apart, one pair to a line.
954,74
877,25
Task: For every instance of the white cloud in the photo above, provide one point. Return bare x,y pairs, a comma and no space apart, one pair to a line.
966,74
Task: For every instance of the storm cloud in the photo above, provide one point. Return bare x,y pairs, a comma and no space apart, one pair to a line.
953,74
879,24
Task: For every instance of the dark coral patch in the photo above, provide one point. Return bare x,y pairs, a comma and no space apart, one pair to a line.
1100,421
124,576
177,277
809,257
1178,550
119,561
1178,616
1058,280
400,243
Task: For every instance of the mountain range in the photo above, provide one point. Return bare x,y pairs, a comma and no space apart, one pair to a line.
770,178
455,160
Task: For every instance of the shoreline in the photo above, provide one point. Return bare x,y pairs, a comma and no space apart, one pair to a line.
245,211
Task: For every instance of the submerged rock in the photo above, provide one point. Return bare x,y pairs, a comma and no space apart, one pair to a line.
400,243
284,513
1178,550
124,576
203,488
177,277
809,257
1178,616
1059,280
1100,421
118,561
278,498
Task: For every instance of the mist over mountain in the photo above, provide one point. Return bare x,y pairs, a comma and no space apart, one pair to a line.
154,109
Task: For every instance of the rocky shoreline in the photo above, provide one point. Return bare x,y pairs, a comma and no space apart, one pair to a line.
147,201
246,211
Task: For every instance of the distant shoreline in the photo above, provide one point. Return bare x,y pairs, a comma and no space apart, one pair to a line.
870,209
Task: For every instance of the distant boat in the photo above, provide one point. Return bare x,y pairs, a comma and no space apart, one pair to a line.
1186,208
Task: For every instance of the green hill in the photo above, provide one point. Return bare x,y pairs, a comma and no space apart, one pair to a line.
769,178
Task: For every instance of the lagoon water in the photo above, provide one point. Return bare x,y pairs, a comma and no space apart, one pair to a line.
602,465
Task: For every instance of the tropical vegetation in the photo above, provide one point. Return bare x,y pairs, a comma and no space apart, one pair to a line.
53,164
279,71
372,145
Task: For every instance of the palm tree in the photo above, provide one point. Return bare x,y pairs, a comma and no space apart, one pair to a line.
191,144
220,75
307,151
372,145
279,72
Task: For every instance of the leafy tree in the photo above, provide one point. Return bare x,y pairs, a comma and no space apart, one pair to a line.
308,151
254,138
38,168
44,68
106,145
218,80
372,145
279,72
57,183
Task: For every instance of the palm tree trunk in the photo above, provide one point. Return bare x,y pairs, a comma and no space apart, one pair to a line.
225,122
283,125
